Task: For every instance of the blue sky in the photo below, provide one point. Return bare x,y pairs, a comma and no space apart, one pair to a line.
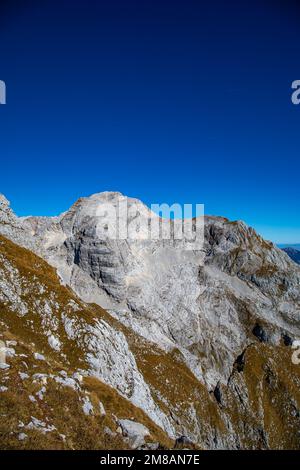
177,101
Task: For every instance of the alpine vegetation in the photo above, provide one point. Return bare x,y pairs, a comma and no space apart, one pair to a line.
145,343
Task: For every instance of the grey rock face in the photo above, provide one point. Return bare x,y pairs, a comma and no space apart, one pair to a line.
135,432
208,304
12,227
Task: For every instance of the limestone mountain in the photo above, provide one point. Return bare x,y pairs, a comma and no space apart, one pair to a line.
197,343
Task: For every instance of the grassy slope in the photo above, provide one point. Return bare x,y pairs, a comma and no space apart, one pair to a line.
61,405
269,380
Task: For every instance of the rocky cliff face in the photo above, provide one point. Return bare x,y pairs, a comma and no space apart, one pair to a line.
208,332
205,303
12,226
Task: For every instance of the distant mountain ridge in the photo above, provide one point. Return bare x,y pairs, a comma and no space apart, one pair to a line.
293,253
289,245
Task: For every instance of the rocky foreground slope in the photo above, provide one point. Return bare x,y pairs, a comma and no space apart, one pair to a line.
192,343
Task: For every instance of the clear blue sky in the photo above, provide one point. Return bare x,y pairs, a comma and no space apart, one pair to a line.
181,101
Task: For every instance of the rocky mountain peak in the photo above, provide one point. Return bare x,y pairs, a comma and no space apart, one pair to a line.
172,297
4,203
13,227
214,314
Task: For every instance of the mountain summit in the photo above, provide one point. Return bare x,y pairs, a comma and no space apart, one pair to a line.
199,341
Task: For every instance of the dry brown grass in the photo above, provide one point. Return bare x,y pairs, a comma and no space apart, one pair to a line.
271,380
61,405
